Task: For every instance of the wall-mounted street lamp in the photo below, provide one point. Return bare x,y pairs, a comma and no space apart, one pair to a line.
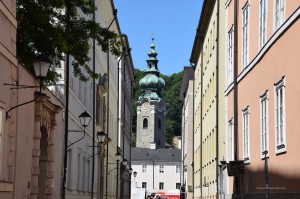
41,66
84,118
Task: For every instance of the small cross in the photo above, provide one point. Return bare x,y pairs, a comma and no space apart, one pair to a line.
152,37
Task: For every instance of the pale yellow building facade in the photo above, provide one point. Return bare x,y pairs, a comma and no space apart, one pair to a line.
209,131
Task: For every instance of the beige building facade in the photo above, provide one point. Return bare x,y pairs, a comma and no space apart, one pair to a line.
263,96
209,129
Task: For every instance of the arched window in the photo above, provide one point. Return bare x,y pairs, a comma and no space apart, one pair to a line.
159,124
145,123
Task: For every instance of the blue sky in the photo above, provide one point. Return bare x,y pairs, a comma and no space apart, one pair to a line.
174,24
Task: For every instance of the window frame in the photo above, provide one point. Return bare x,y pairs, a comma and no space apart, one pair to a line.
178,168
145,124
230,55
263,11
144,168
245,35
264,125
144,185
161,168
231,139
161,185
281,11
280,147
246,134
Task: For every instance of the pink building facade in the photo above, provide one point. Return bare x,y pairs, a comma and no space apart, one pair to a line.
31,136
262,48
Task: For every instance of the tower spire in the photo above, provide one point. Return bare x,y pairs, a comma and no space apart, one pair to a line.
151,83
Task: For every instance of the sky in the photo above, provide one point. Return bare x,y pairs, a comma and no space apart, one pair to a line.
173,23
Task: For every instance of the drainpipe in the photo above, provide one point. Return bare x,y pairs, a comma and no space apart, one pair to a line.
193,128
217,97
94,112
201,109
107,121
235,99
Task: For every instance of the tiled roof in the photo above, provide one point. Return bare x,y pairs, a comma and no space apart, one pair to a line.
159,155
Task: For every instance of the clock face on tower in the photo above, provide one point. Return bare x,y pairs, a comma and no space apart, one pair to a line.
145,105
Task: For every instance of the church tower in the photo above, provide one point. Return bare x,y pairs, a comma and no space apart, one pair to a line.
151,107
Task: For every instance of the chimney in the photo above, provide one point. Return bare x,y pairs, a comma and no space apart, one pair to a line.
152,145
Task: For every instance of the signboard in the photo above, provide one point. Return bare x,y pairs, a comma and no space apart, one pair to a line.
235,168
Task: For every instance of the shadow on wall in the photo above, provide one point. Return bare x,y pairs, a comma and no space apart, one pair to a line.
280,186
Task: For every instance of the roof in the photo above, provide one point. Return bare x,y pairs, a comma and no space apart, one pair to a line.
158,155
207,9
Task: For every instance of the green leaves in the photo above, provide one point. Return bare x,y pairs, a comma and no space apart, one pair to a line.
55,28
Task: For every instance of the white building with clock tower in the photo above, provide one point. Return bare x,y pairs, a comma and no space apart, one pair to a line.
158,168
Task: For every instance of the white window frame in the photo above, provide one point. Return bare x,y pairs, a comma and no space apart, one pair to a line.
279,13
264,125
246,135
262,22
231,140
245,36
161,168
161,184
178,168
144,168
280,135
230,56
144,183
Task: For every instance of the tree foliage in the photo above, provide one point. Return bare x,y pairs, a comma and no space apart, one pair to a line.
170,94
59,27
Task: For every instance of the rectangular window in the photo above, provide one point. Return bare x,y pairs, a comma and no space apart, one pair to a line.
246,131
262,22
144,168
280,120
88,175
161,168
264,124
161,185
144,185
177,185
230,57
231,140
279,13
69,180
78,172
83,175
245,28
178,168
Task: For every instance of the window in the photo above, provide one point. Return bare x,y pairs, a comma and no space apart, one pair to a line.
262,22
178,168
264,124
230,57
78,172
83,175
69,180
144,184
144,168
161,168
280,116
246,146
161,185
230,141
245,34
177,185
145,123
279,13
